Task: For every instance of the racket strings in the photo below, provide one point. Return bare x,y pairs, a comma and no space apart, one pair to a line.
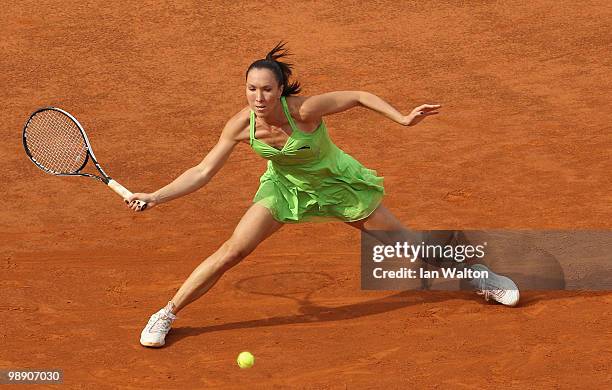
55,142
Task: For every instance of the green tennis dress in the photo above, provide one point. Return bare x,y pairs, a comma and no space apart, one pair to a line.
311,179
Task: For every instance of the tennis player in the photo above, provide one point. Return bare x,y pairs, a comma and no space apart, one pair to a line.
308,178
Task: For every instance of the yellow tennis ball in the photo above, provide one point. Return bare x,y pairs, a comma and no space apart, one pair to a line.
245,360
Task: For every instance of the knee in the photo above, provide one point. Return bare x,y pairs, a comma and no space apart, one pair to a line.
440,237
232,254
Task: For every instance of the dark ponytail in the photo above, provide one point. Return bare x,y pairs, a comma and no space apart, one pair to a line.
281,70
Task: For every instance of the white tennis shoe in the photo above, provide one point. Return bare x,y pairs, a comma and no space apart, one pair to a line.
499,288
154,334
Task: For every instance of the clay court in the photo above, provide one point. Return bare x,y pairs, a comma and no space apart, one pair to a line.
522,142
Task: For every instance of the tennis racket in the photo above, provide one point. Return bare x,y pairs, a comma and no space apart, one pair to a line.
56,143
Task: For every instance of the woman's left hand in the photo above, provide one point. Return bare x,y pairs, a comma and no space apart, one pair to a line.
420,113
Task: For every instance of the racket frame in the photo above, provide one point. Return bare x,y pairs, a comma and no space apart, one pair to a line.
104,178
115,186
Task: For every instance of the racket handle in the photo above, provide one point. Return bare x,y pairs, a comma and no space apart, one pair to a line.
125,193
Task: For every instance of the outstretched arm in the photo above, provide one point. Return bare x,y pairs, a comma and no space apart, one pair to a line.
198,176
333,102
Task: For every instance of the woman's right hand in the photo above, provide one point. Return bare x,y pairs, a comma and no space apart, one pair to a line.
149,199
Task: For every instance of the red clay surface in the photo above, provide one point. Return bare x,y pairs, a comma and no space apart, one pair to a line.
523,141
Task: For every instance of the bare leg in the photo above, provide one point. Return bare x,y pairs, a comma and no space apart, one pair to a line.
383,226
255,226
387,229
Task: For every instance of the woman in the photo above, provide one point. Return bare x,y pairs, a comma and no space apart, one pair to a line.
308,177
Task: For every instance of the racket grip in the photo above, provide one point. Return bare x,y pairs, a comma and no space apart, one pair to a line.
125,193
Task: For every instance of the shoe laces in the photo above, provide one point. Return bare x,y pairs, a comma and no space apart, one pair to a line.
488,294
161,323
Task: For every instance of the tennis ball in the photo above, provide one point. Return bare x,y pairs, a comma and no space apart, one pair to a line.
245,360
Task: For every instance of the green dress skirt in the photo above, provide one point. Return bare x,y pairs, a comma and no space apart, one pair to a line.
311,179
